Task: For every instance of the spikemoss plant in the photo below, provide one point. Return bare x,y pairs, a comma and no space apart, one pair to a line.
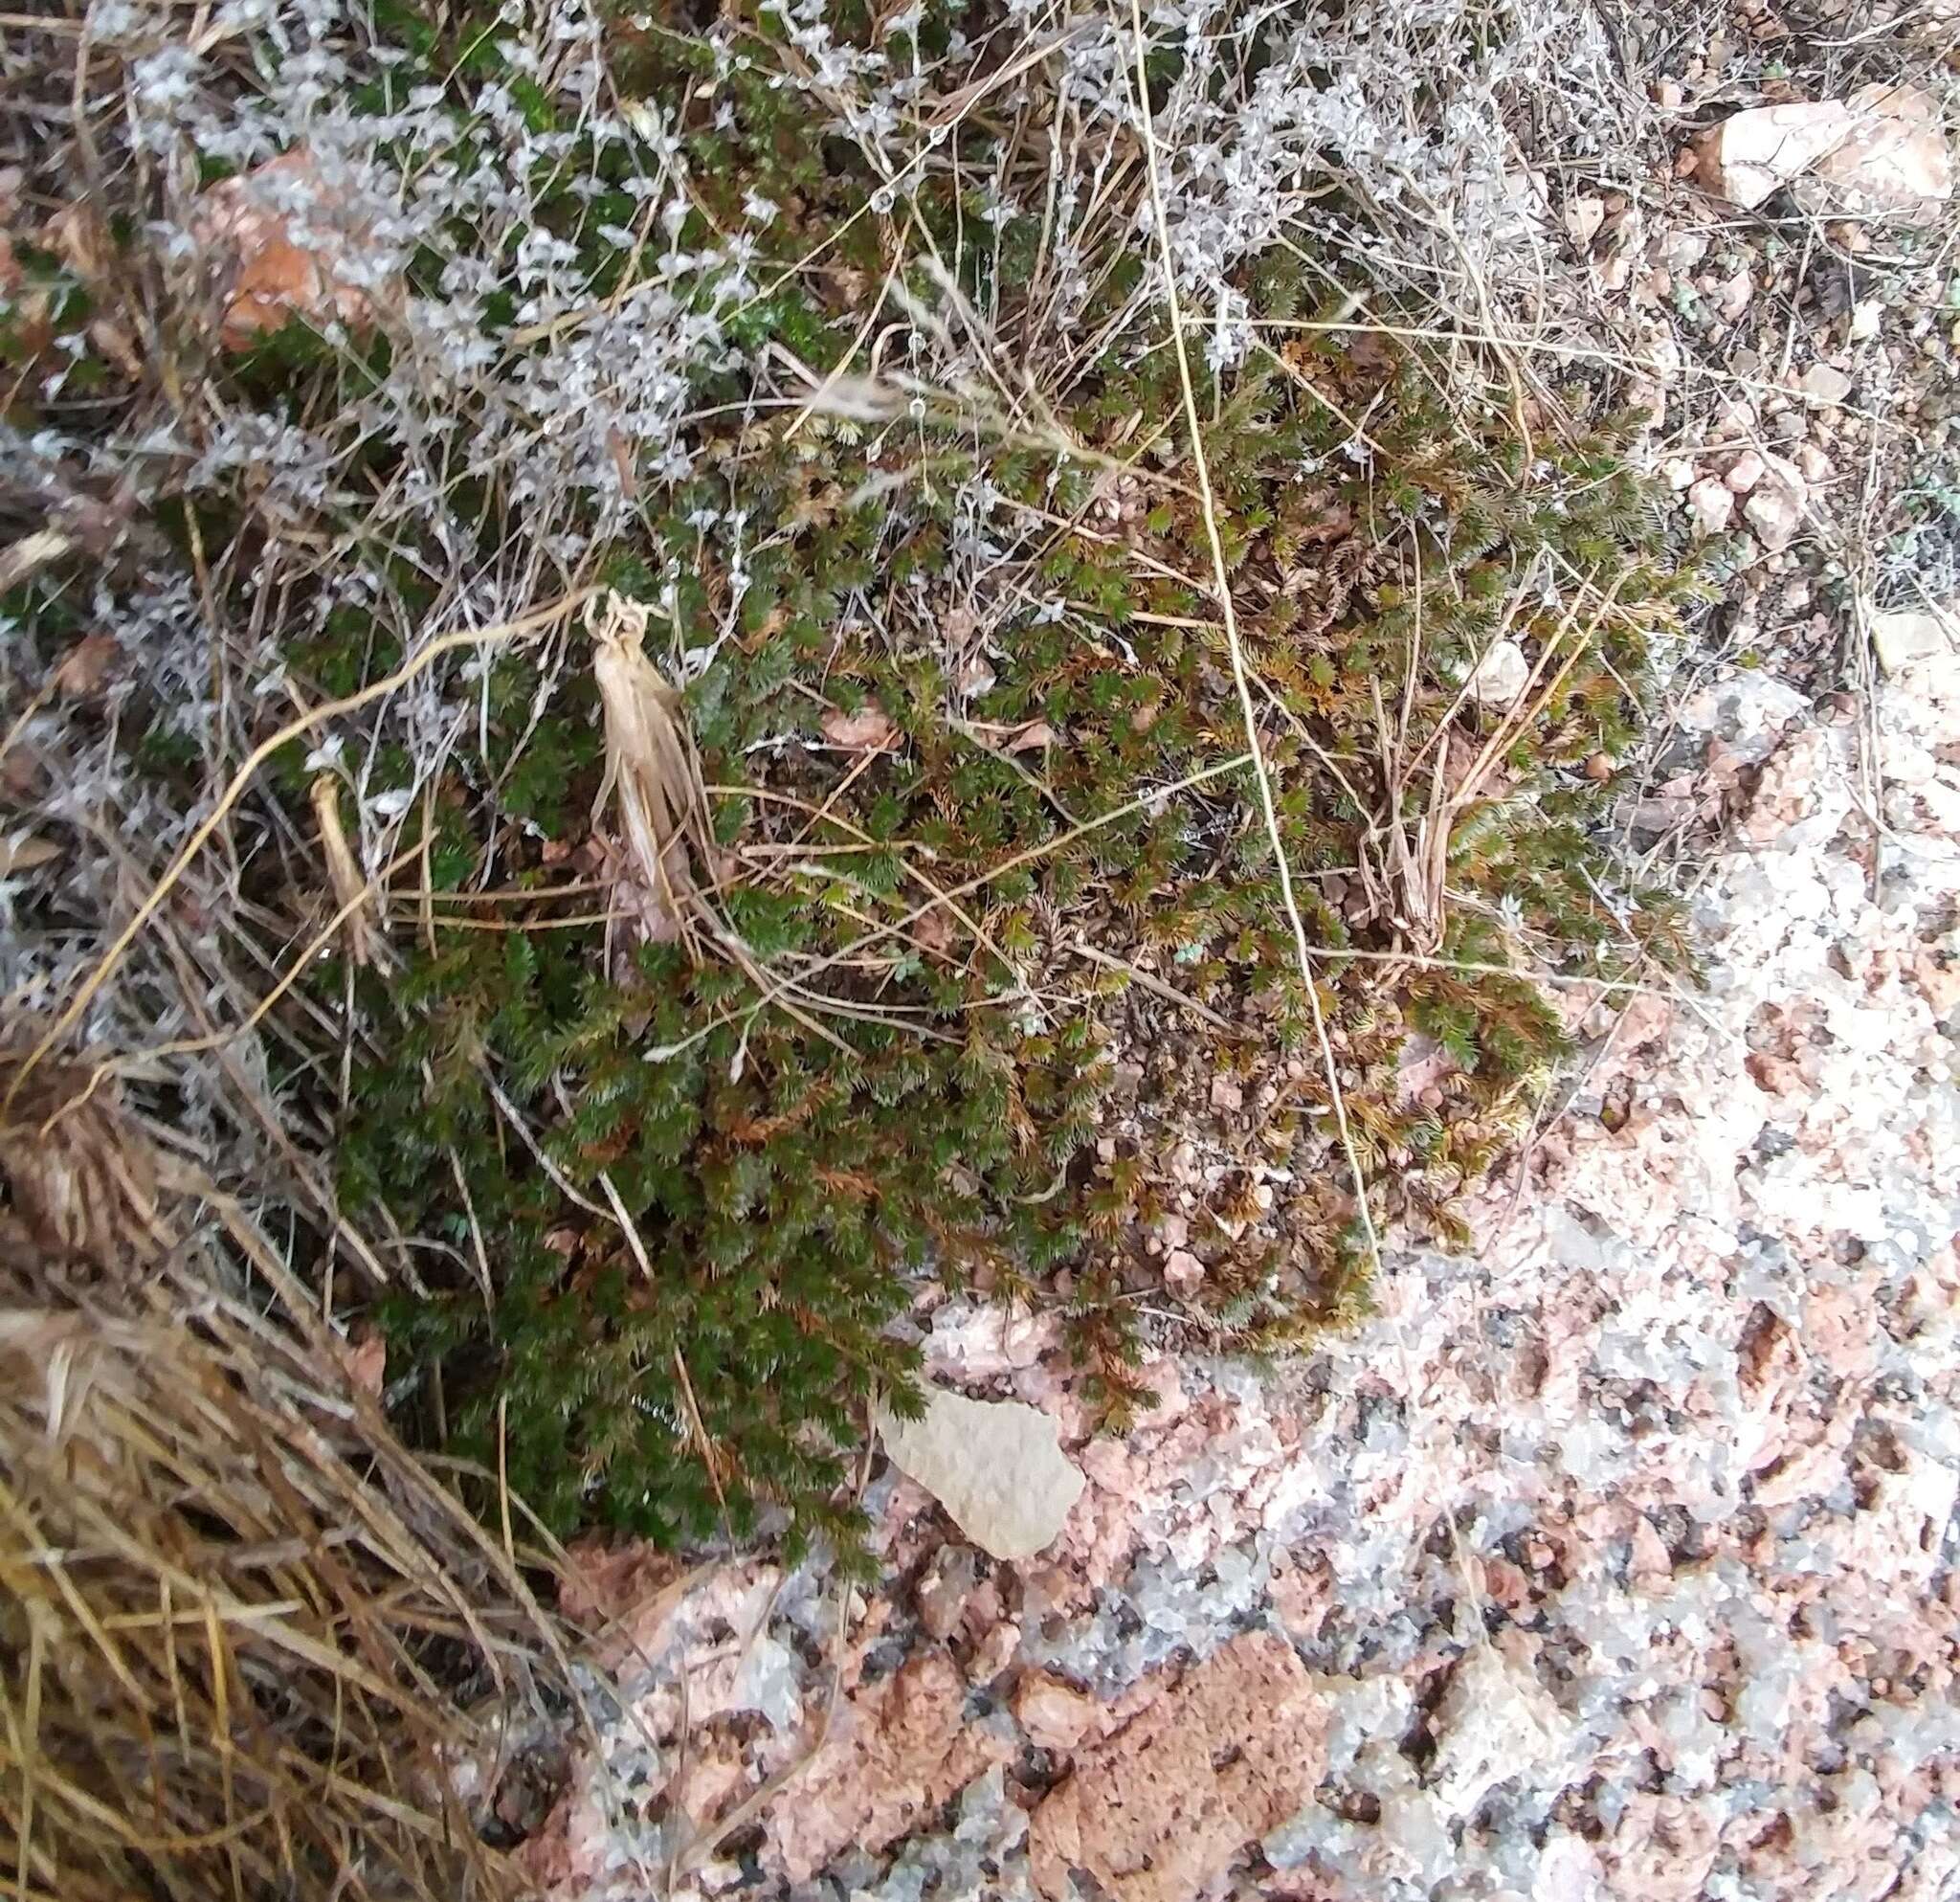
789,1185
1017,1007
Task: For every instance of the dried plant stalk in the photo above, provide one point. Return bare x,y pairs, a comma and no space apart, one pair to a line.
82,1175
343,872
651,766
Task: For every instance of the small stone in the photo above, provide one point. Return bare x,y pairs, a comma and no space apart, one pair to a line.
1174,1231
1682,251
1678,473
1776,508
1501,676
995,1466
1814,462
994,1653
1598,769
1710,507
1745,472
1902,639
1227,1094
1183,1271
1496,1721
1733,296
1825,386
1055,1714
1754,153
941,1593
1866,317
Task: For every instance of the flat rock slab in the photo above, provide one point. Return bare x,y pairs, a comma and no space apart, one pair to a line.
1893,161
899,1750
1881,153
1157,1810
1753,154
1905,638
995,1466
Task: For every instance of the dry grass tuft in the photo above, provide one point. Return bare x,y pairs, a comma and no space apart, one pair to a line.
234,1613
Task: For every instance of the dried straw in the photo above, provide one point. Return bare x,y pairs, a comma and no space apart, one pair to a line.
235,1615
343,872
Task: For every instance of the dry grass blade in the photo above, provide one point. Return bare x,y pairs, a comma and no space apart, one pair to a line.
234,790
82,1175
233,1624
343,872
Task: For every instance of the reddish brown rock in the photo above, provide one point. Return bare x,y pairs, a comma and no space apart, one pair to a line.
898,1751
1212,1763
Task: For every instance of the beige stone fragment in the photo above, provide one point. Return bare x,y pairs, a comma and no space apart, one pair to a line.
1894,160
1903,638
1754,153
997,1465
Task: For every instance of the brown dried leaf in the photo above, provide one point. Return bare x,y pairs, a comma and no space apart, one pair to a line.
1334,520
85,667
24,855
114,344
934,932
366,1362
78,235
868,731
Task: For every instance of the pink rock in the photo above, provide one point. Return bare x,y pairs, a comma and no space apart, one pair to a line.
1825,386
896,1751
1775,507
1711,507
1210,1764
1055,1714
